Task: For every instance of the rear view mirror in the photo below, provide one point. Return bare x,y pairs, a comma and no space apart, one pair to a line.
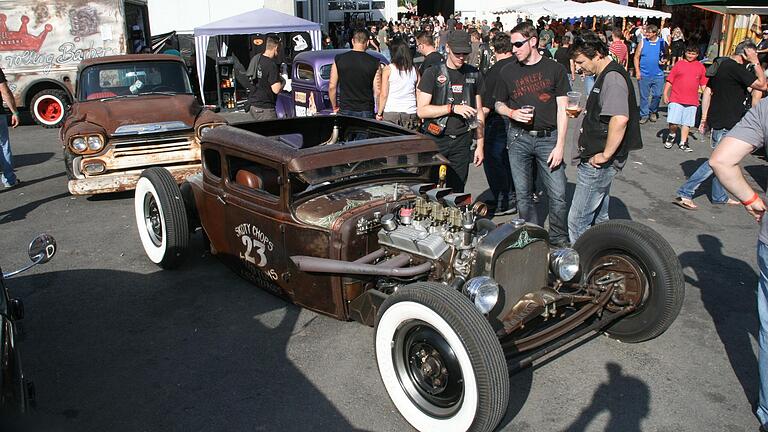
42,249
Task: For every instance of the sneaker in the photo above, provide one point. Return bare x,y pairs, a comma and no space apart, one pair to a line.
506,209
653,117
684,147
643,120
536,196
12,185
669,141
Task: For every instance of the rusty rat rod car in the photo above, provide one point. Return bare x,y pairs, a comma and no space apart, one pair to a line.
337,215
132,112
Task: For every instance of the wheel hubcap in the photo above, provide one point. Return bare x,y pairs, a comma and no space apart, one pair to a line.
428,369
49,109
152,220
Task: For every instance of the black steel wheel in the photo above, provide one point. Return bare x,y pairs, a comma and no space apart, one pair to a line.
651,276
440,361
161,218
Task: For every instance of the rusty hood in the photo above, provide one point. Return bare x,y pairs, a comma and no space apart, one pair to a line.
111,114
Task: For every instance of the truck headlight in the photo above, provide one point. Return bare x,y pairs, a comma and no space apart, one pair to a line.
483,291
79,144
564,262
95,143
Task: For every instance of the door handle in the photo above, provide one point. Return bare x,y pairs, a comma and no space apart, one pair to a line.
221,199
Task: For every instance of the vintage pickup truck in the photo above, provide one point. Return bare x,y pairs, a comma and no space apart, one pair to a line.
339,215
132,112
306,91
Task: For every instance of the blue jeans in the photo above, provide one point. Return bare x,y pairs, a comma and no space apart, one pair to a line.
523,150
688,189
590,199
496,161
650,86
361,114
762,339
6,157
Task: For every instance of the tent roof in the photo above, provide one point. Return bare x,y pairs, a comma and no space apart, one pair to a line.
256,21
572,9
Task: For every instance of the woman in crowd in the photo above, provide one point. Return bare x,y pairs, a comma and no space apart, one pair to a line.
397,99
678,45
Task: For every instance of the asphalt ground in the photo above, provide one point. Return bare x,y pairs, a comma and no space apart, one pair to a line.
114,343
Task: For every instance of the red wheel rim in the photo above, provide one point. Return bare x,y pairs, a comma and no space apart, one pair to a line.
49,109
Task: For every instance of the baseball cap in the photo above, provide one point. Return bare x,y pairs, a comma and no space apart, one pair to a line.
458,41
744,45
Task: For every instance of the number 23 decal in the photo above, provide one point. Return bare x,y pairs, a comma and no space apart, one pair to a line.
254,251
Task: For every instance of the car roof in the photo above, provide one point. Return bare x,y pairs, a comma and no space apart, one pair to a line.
303,159
327,56
127,58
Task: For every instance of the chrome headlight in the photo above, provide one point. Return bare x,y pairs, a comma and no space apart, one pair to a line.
483,291
95,143
79,144
564,263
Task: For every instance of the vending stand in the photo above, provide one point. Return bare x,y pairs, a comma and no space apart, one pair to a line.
297,35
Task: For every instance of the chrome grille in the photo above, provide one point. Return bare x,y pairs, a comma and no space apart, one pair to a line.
520,271
151,145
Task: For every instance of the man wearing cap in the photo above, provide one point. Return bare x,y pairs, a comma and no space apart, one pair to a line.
724,103
532,92
449,103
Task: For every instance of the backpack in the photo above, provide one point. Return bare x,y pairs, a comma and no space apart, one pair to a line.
712,68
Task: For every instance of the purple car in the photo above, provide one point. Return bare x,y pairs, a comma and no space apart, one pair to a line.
307,94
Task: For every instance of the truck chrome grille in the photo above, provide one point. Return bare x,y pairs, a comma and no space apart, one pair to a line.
151,145
522,270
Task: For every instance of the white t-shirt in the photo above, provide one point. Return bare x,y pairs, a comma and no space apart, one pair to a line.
665,33
402,91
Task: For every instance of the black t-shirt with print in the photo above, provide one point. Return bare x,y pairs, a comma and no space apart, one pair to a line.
538,85
261,94
729,94
432,78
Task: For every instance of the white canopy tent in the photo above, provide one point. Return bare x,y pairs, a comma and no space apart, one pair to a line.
256,21
572,9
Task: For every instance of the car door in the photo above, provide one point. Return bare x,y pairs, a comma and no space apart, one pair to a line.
304,90
212,199
254,219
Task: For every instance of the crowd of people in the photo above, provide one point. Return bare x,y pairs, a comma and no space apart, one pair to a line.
502,99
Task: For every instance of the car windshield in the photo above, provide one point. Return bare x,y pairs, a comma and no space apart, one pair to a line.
415,164
112,80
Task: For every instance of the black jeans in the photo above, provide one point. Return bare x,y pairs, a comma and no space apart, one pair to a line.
456,149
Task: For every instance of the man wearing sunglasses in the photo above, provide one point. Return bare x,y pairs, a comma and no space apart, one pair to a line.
532,92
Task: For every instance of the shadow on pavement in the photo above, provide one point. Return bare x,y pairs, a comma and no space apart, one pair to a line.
196,349
759,175
624,397
21,212
21,160
727,287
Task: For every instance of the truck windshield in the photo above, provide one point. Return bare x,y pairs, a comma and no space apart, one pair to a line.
111,80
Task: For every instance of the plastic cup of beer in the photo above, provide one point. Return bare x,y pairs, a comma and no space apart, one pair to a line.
528,109
573,107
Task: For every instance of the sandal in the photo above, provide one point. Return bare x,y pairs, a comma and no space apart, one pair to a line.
729,202
685,203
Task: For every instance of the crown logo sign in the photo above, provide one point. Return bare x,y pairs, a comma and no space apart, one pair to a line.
21,40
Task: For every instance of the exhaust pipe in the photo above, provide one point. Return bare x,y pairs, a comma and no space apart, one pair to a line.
324,265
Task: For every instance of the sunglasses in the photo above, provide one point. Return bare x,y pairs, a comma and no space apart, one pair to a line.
519,44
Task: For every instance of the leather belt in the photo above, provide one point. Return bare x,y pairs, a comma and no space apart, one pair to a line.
539,133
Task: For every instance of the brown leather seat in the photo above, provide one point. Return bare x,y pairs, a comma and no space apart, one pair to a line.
249,179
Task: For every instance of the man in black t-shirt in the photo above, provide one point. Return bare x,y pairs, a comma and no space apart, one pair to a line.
722,106
450,103
425,45
533,93
496,162
266,82
6,157
355,74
